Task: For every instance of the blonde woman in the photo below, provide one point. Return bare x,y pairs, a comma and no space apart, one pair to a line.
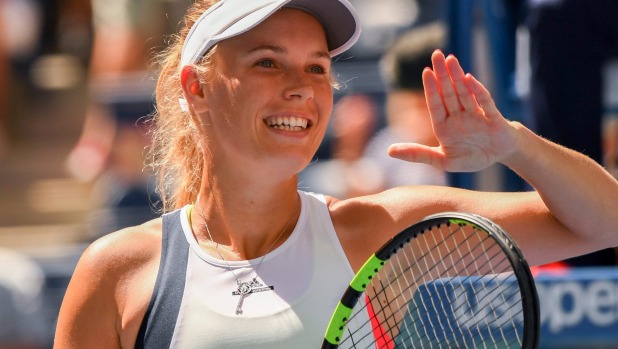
241,258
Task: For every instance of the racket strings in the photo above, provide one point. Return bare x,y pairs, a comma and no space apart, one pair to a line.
442,329
401,292
512,281
495,292
352,335
443,256
490,258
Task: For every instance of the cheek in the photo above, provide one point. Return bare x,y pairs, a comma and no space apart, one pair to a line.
322,124
226,97
324,102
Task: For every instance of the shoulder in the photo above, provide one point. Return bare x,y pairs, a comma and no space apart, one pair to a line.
126,248
365,223
401,204
117,261
124,260
110,288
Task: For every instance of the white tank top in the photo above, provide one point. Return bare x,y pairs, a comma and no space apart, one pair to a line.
300,284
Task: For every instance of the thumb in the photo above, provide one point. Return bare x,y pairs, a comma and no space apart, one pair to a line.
414,152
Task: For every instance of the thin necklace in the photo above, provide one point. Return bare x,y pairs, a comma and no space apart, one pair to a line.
247,287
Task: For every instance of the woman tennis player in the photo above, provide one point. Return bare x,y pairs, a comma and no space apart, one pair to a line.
242,258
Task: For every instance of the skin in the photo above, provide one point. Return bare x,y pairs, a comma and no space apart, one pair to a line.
249,186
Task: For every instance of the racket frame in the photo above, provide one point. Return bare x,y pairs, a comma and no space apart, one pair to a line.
525,280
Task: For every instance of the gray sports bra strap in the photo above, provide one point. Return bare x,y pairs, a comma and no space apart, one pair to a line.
159,321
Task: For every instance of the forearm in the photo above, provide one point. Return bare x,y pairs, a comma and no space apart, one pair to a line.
577,190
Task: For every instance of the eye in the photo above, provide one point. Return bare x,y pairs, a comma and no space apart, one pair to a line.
317,69
266,63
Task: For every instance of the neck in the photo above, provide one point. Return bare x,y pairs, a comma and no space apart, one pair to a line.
246,226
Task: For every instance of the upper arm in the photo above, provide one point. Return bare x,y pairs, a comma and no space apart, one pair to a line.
89,312
366,223
109,291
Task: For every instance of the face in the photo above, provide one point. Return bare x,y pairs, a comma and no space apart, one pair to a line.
269,96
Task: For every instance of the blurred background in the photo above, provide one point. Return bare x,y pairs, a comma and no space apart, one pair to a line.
76,84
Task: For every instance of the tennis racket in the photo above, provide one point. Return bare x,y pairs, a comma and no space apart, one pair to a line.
453,280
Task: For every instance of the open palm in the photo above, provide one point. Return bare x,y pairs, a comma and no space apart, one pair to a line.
472,133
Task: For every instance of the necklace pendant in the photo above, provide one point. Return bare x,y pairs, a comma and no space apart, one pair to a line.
244,288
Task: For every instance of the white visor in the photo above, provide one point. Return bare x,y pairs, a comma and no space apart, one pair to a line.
229,18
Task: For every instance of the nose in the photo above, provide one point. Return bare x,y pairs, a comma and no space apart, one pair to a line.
298,89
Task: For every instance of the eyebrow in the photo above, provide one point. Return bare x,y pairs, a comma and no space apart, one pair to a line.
281,50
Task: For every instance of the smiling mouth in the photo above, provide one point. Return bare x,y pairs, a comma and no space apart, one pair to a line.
288,123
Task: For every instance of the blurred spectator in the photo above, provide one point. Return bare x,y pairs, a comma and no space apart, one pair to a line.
4,90
20,22
571,41
112,145
407,116
347,173
610,118
21,284
610,144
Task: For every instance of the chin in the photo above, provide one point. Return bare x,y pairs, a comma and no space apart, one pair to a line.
293,164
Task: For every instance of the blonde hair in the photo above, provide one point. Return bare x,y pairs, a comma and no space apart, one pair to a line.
177,152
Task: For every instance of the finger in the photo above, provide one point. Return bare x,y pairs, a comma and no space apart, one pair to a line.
449,96
419,153
466,98
432,96
483,97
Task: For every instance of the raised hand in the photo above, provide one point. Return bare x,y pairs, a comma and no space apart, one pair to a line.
472,133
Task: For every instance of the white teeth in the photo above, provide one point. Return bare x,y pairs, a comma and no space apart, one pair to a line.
298,122
288,128
288,123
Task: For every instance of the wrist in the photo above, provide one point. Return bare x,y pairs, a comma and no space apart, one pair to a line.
523,140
